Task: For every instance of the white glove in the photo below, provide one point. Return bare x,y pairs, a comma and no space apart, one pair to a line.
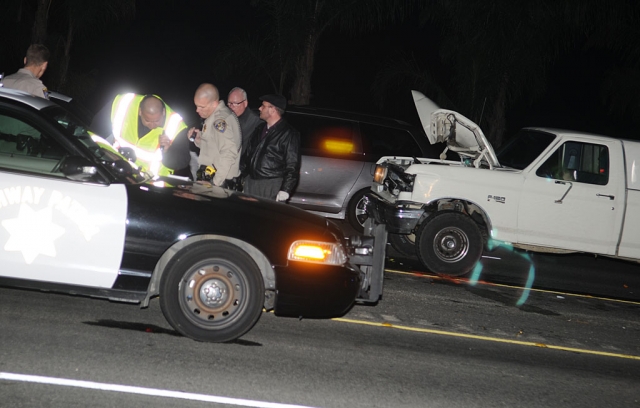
282,196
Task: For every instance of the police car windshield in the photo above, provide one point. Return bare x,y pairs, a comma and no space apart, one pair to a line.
97,146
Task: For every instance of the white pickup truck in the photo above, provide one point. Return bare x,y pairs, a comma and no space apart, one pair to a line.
547,190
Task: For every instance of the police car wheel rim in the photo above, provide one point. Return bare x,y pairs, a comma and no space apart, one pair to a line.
213,294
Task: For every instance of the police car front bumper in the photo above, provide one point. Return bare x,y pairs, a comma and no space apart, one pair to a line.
321,291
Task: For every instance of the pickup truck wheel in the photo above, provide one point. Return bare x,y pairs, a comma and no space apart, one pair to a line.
212,292
356,214
405,244
450,244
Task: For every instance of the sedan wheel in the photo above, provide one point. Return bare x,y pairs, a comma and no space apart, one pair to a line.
356,213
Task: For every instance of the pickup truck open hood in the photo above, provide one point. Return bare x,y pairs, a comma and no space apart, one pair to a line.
460,134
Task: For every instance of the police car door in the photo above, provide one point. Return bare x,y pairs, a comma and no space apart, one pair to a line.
53,229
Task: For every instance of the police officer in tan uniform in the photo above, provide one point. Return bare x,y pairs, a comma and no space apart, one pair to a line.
219,141
28,78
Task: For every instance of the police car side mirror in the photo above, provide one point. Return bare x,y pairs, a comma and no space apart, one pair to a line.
129,153
78,168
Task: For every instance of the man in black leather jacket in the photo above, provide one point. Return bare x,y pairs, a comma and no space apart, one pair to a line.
271,163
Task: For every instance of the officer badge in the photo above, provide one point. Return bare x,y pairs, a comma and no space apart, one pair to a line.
220,125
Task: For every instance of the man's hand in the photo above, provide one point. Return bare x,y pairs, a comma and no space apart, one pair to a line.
282,196
194,135
164,141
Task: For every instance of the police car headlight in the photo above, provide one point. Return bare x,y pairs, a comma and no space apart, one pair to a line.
380,174
317,252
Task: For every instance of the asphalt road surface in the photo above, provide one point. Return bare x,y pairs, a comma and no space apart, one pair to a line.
569,336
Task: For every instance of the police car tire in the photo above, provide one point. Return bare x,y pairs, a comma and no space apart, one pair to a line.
450,243
212,292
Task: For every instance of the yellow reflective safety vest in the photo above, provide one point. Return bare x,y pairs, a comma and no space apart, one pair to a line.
124,122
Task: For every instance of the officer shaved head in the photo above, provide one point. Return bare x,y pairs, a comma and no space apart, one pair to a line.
206,100
152,112
37,59
208,91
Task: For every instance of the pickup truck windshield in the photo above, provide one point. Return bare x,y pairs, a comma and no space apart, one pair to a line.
523,148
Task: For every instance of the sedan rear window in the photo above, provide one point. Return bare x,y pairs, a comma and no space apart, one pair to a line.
324,136
379,141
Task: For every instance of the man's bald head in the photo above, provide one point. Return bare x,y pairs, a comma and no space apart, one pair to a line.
206,100
152,112
208,91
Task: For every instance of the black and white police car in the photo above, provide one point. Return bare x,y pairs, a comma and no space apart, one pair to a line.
77,217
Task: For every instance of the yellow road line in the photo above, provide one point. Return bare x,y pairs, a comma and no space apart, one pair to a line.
463,281
486,338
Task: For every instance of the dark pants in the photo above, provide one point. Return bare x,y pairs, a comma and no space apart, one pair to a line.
266,188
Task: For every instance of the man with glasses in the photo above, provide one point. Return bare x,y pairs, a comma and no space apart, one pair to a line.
237,102
271,163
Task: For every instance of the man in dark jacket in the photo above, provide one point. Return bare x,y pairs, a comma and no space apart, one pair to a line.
238,103
271,163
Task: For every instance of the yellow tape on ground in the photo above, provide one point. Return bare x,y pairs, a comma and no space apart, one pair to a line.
486,338
501,285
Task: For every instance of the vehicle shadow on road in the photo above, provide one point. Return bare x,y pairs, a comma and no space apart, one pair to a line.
151,328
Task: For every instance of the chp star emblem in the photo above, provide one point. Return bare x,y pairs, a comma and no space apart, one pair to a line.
33,233
220,125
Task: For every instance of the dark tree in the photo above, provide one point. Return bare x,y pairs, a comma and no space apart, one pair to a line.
499,53
284,47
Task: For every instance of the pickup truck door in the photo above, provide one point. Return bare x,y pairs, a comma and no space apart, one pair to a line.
573,198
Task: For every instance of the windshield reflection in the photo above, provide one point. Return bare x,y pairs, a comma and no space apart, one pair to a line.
97,147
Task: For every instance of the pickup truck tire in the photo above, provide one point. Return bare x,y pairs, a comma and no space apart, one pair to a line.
450,243
405,244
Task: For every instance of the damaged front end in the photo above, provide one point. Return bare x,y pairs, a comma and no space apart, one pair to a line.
366,254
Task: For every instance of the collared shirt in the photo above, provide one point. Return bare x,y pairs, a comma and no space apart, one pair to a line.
220,144
24,80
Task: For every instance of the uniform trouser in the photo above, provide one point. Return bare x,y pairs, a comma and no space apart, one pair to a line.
267,188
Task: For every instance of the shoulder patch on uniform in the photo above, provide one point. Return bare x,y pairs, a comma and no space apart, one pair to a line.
220,125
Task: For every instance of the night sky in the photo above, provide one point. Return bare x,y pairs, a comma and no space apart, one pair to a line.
170,50
171,47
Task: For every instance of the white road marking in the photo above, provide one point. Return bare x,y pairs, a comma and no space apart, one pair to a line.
491,257
143,391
